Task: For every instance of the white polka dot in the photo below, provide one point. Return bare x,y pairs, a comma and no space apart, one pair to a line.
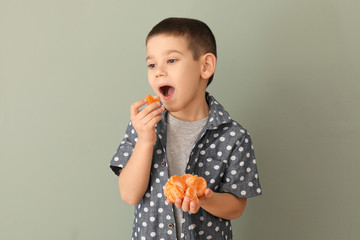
143,238
221,113
152,219
116,159
242,131
160,210
156,165
212,181
168,217
121,166
211,119
216,167
216,135
217,228
126,154
232,134
242,178
212,146
228,147
219,154
246,140
241,149
144,224
207,173
251,184
209,159
147,195
157,180
225,128
146,209
234,186
248,155
258,190
192,226
243,193
132,131
254,161
159,151
248,169
209,224
161,225
159,195
222,139
200,145
227,179
152,203
256,175
201,233
233,172
200,164
161,173
202,152
209,237
233,158
153,234
169,232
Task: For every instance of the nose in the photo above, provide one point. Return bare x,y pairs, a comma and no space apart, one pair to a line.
160,71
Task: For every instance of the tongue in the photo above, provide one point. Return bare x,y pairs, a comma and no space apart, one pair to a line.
170,91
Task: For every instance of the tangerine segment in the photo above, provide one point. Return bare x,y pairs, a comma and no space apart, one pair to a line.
175,188
150,99
191,193
172,192
198,183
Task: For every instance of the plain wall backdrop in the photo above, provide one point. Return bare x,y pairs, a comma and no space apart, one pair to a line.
288,71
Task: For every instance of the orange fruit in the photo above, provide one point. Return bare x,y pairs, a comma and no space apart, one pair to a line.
186,185
150,99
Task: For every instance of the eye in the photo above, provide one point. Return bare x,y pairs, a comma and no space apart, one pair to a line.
151,65
172,60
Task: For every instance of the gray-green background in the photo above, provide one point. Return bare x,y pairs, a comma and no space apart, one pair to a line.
287,70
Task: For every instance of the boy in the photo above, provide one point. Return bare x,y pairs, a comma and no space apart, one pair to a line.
190,133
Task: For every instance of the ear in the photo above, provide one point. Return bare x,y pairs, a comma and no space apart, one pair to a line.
208,65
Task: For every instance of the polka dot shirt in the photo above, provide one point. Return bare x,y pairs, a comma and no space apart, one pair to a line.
223,154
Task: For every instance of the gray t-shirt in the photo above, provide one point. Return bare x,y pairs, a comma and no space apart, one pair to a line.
181,137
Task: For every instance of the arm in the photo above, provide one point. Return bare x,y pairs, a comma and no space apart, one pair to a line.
223,205
134,177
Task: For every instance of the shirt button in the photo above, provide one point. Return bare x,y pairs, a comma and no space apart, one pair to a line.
163,164
171,225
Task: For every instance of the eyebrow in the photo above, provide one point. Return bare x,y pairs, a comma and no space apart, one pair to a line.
167,53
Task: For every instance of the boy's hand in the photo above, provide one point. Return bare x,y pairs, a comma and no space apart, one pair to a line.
144,121
186,205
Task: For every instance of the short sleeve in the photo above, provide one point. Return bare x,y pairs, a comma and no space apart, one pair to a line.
241,176
124,151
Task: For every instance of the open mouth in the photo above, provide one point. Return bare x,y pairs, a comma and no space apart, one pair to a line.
167,90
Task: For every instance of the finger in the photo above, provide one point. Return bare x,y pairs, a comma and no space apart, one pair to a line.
209,193
134,109
178,202
148,109
154,117
194,207
186,204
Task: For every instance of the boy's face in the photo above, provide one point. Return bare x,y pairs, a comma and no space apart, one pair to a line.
173,73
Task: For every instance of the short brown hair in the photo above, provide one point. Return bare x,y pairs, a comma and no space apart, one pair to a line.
201,39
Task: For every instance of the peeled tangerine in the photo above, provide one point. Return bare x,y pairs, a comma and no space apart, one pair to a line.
188,185
150,99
